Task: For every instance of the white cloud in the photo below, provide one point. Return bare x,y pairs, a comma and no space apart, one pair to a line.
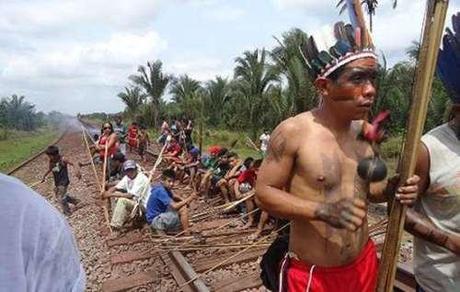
225,13
201,68
88,62
40,15
307,5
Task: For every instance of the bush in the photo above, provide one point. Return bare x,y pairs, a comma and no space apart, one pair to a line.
392,147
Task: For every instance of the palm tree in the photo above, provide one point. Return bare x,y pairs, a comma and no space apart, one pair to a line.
133,98
291,64
413,51
186,92
217,93
371,6
253,78
20,114
154,83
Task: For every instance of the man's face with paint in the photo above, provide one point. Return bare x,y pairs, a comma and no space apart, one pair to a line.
353,91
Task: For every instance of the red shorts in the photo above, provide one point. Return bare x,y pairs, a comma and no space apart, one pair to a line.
358,276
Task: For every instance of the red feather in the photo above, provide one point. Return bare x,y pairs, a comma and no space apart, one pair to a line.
373,132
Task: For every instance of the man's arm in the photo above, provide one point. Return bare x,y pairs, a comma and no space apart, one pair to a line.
177,205
273,178
75,166
47,172
420,226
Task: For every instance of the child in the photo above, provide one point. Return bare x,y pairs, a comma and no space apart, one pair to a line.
143,142
132,136
58,166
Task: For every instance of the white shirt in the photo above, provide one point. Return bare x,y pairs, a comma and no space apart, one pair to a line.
436,268
37,249
139,187
264,138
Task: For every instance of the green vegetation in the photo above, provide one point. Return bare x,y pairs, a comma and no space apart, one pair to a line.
21,145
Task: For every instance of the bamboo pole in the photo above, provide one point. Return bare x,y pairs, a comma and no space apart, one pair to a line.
90,157
434,24
256,243
106,202
101,189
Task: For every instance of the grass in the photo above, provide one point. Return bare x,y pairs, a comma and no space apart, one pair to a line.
21,145
223,138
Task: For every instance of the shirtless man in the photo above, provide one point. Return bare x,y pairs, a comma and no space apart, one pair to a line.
310,178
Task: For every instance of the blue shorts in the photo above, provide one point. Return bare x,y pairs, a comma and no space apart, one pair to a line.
167,221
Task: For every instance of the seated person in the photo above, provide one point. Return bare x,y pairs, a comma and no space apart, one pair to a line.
215,179
208,164
172,152
224,185
189,166
133,188
245,183
115,173
165,210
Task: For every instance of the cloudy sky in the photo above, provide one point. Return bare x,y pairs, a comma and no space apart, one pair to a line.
76,55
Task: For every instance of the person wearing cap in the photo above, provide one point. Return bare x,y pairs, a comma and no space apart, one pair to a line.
166,211
133,188
310,176
435,218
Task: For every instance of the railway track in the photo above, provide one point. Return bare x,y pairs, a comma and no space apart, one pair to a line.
142,261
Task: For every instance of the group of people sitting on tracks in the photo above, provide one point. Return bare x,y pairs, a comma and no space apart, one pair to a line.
218,173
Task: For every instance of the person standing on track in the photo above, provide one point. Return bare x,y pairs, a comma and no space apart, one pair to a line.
58,165
263,139
144,142
310,177
121,130
37,249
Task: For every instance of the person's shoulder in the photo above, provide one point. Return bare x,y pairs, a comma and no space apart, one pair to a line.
292,126
26,201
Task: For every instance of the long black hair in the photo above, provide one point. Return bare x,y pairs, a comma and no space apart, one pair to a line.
103,126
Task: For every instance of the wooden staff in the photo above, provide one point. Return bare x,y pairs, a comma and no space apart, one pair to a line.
91,158
104,174
256,243
101,188
434,24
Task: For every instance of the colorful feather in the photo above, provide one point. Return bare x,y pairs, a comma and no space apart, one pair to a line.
448,67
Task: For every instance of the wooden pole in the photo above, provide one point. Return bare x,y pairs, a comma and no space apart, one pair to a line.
421,92
101,187
201,128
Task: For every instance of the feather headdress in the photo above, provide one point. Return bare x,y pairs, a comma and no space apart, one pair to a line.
448,67
350,42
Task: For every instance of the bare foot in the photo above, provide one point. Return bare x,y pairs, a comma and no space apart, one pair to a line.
255,236
246,226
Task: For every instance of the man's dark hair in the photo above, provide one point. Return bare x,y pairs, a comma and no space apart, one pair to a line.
334,76
257,163
168,173
119,157
231,154
222,152
52,150
247,162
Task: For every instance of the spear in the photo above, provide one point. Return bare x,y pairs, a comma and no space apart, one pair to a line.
421,91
